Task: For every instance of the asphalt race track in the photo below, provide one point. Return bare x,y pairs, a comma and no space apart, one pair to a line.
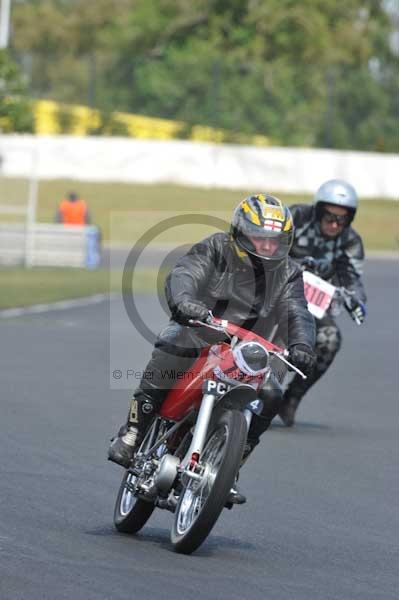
322,519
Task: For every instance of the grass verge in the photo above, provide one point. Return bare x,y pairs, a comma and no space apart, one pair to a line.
26,287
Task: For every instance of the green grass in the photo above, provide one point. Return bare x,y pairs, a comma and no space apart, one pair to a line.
124,212
40,285
24,287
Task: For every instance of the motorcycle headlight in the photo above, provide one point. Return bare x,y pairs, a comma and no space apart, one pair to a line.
251,358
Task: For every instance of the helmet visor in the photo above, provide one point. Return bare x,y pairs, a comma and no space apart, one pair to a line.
325,212
270,244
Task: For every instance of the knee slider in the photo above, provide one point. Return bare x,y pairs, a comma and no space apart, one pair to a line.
328,339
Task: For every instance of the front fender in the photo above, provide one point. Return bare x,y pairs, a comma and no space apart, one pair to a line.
238,397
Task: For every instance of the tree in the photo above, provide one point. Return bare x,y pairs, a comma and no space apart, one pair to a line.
15,110
269,66
311,72
63,49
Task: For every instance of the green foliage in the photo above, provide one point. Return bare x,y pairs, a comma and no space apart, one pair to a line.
315,72
15,110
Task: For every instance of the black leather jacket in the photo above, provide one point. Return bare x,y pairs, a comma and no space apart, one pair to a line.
216,272
345,253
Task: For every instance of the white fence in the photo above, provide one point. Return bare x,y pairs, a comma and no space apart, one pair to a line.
200,164
45,244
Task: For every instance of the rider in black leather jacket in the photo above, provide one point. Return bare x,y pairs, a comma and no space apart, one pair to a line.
251,283
325,243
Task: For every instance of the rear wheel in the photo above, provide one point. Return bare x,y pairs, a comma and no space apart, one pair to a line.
131,513
201,503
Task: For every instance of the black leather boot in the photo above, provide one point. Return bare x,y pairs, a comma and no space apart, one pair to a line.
122,449
235,497
130,435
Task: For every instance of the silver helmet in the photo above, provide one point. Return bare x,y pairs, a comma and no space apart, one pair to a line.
338,192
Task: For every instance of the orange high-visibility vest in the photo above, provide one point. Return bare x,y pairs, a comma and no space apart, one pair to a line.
73,213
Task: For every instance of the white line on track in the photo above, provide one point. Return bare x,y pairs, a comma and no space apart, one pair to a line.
11,313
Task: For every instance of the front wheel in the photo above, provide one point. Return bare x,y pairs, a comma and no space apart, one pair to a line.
131,513
201,503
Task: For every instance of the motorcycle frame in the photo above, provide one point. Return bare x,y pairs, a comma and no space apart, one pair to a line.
236,397
208,403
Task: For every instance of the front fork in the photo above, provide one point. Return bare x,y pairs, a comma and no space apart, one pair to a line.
248,414
193,454
200,432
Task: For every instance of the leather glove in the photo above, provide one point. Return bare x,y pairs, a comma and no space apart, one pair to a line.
319,266
190,309
356,309
302,357
309,263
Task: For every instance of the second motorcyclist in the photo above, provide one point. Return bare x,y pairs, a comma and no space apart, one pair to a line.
326,243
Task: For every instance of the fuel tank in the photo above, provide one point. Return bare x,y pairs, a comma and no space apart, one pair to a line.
186,394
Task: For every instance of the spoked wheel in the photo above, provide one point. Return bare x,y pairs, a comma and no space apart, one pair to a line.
131,513
201,502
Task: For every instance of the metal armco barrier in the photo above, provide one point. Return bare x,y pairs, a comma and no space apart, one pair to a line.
45,244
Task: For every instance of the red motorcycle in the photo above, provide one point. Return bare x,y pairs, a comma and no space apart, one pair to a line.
191,455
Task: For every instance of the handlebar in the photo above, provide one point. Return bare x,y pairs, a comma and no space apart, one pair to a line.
232,330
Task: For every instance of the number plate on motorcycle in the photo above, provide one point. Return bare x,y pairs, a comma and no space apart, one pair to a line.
318,294
216,388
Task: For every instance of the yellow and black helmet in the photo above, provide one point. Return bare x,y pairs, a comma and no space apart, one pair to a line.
263,227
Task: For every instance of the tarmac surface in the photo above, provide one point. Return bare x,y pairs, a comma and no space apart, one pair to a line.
322,517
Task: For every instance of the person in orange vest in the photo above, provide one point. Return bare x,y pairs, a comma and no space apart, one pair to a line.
73,210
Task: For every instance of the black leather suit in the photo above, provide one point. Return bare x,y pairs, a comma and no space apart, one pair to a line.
345,254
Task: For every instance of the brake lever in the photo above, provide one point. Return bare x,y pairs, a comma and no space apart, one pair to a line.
196,323
292,367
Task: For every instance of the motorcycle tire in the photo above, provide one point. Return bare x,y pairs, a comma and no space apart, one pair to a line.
195,515
130,513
